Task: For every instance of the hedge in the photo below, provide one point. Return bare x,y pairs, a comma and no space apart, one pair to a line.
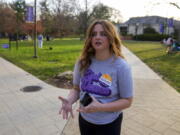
150,37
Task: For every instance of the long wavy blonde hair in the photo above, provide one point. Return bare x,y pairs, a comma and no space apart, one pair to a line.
88,51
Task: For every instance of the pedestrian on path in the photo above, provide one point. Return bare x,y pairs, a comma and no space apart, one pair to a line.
40,40
102,81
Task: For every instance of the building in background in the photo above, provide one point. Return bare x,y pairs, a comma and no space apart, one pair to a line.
137,25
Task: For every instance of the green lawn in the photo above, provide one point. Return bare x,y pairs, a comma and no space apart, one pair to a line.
154,55
65,51
49,62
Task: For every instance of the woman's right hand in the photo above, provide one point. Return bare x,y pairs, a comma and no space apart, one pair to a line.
66,108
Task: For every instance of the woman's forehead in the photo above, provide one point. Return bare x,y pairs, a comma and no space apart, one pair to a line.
98,27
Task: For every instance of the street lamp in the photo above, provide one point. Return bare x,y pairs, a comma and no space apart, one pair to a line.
35,31
137,25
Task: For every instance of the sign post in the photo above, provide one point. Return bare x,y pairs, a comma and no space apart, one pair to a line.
31,18
35,30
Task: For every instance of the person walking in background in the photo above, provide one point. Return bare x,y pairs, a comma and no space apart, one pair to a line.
102,81
40,40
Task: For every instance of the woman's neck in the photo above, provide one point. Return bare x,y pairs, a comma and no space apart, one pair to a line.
102,55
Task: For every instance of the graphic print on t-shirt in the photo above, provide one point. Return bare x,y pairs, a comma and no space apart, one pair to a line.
96,83
105,78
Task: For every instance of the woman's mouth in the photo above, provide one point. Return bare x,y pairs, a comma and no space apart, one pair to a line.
98,43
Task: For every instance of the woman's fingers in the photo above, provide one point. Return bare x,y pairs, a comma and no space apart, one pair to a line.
65,112
93,98
81,109
65,109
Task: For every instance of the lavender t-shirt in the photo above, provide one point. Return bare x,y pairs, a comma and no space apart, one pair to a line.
107,81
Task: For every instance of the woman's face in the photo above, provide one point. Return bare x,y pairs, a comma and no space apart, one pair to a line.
100,40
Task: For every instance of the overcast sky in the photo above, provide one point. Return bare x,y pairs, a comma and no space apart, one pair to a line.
134,8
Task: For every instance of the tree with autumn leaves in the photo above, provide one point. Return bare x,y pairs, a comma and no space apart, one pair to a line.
57,18
7,23
12,19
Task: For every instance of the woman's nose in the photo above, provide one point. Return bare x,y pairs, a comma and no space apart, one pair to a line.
98,36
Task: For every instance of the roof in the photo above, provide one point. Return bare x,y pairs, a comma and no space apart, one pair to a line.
149,20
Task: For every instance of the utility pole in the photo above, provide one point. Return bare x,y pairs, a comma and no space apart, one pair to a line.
35,30
86,18
86,5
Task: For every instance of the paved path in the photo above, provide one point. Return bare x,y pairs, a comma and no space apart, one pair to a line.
27,113
155,110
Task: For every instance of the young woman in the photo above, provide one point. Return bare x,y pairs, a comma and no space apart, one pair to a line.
104,74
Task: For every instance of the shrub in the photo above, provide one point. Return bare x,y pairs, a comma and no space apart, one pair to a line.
149,30
150,37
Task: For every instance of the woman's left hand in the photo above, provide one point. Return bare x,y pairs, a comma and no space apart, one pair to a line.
94,106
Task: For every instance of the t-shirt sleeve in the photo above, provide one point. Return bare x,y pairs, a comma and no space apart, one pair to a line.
76,74
125,82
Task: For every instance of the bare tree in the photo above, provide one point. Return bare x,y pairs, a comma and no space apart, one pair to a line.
174,4
178,25
64,17
46,17
99,11
19,7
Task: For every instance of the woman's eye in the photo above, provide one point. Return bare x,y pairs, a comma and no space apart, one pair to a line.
100,34
94,34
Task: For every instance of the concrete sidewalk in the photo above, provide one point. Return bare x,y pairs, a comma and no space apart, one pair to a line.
28,113
155,110
156,106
